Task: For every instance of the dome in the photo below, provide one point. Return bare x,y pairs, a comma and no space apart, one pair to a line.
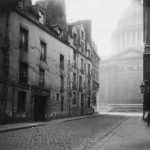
133,14
129,31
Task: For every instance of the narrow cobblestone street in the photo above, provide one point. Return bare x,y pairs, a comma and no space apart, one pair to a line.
75,134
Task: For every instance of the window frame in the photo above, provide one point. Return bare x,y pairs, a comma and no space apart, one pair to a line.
25,32
62,103
62,83
74,99
43,51
82,64
62,61
74,59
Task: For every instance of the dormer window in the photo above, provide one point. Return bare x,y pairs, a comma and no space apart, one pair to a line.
42,17
21,4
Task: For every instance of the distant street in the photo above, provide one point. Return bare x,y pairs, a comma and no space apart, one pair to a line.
70,135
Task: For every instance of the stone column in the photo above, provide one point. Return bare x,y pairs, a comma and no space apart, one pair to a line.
125,40
131,39
136,39
128,39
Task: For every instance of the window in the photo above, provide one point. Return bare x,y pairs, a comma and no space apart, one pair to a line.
62,83
23,73
74,98
41,77
89,102
21,4
82,34
81,64
43,51
21,101
89,86
74,59
61,61
85,67
57,97
23,44
89,69
80,82
75,39
89,53
74,78
42,17
62,103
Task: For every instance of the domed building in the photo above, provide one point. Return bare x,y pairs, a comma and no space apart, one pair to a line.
122,73
129,32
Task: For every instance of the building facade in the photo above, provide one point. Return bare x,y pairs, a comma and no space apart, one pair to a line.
36,74
146,57
84,58
122,73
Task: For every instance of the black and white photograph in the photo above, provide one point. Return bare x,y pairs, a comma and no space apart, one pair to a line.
74,74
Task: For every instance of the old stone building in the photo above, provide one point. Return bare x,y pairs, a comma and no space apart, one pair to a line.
37,80
84,70
122,73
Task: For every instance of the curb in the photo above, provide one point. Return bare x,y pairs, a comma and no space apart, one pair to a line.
45,124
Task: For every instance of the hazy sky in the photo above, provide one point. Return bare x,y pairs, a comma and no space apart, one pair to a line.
104,14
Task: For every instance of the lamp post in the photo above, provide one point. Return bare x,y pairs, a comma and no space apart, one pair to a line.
145,90
142,87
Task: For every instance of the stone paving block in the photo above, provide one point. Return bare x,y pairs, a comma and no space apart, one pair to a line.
72,135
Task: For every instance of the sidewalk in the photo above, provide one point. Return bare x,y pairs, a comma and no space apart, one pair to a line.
19,126
133,134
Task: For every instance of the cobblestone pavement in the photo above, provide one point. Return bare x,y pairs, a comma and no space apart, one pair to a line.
80,134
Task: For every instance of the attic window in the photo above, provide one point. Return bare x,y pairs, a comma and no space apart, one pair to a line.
21,4
41,19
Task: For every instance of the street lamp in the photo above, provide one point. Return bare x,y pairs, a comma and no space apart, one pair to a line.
142,87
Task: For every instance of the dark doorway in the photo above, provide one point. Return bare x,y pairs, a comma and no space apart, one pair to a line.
39,108
82,104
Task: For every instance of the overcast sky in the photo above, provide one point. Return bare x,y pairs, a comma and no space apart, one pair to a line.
104,14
